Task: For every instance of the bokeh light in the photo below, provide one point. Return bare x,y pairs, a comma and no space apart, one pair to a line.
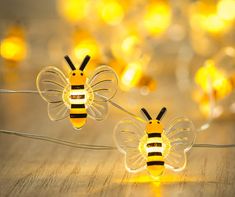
13,46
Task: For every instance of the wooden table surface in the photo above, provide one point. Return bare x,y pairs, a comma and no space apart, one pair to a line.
36,168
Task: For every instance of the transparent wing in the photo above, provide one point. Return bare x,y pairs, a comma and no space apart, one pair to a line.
180,137
103,83
52,86
101,87
97,109
127,137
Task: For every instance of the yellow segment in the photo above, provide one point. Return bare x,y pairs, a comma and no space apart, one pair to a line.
78,122
156,170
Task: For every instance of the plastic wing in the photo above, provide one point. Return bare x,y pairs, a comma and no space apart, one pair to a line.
181,136
127,136
52,84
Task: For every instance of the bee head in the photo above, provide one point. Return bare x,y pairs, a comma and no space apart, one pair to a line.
154,125
77,72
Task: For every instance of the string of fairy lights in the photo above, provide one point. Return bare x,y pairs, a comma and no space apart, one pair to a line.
125,35
153,148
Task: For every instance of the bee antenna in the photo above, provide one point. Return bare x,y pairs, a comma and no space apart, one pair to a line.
161,113
146,113
84,63
70,63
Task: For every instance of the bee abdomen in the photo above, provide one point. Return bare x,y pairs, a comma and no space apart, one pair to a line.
155,160
78,113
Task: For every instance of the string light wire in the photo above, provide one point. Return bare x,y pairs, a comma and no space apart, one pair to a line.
5,91
57,141
87,146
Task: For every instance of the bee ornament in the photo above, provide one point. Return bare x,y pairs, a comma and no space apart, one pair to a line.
156,148
77,96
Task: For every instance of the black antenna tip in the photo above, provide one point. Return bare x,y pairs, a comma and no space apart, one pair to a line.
146,113
70,63
84,63
161,113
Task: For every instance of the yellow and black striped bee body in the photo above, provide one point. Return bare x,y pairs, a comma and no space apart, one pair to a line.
77,79
77,96
154,146
157,148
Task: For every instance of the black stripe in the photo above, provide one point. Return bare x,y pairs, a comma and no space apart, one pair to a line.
76,87
154,135
152,163
155,154
77,106
154,144
78,115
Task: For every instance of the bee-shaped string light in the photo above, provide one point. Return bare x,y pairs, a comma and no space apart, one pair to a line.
77,96
155,148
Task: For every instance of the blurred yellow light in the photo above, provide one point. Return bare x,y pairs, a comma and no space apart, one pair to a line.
129,43
111,12
206,108
86,47
131,74
213,23
226,9
157,17
210,17
209,77
72,10
13,48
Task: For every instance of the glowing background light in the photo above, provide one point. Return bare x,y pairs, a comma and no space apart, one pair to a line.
209,76
111,11
130,44
86,47
72,10
226,9
212,17
13,46
157,17
131,74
